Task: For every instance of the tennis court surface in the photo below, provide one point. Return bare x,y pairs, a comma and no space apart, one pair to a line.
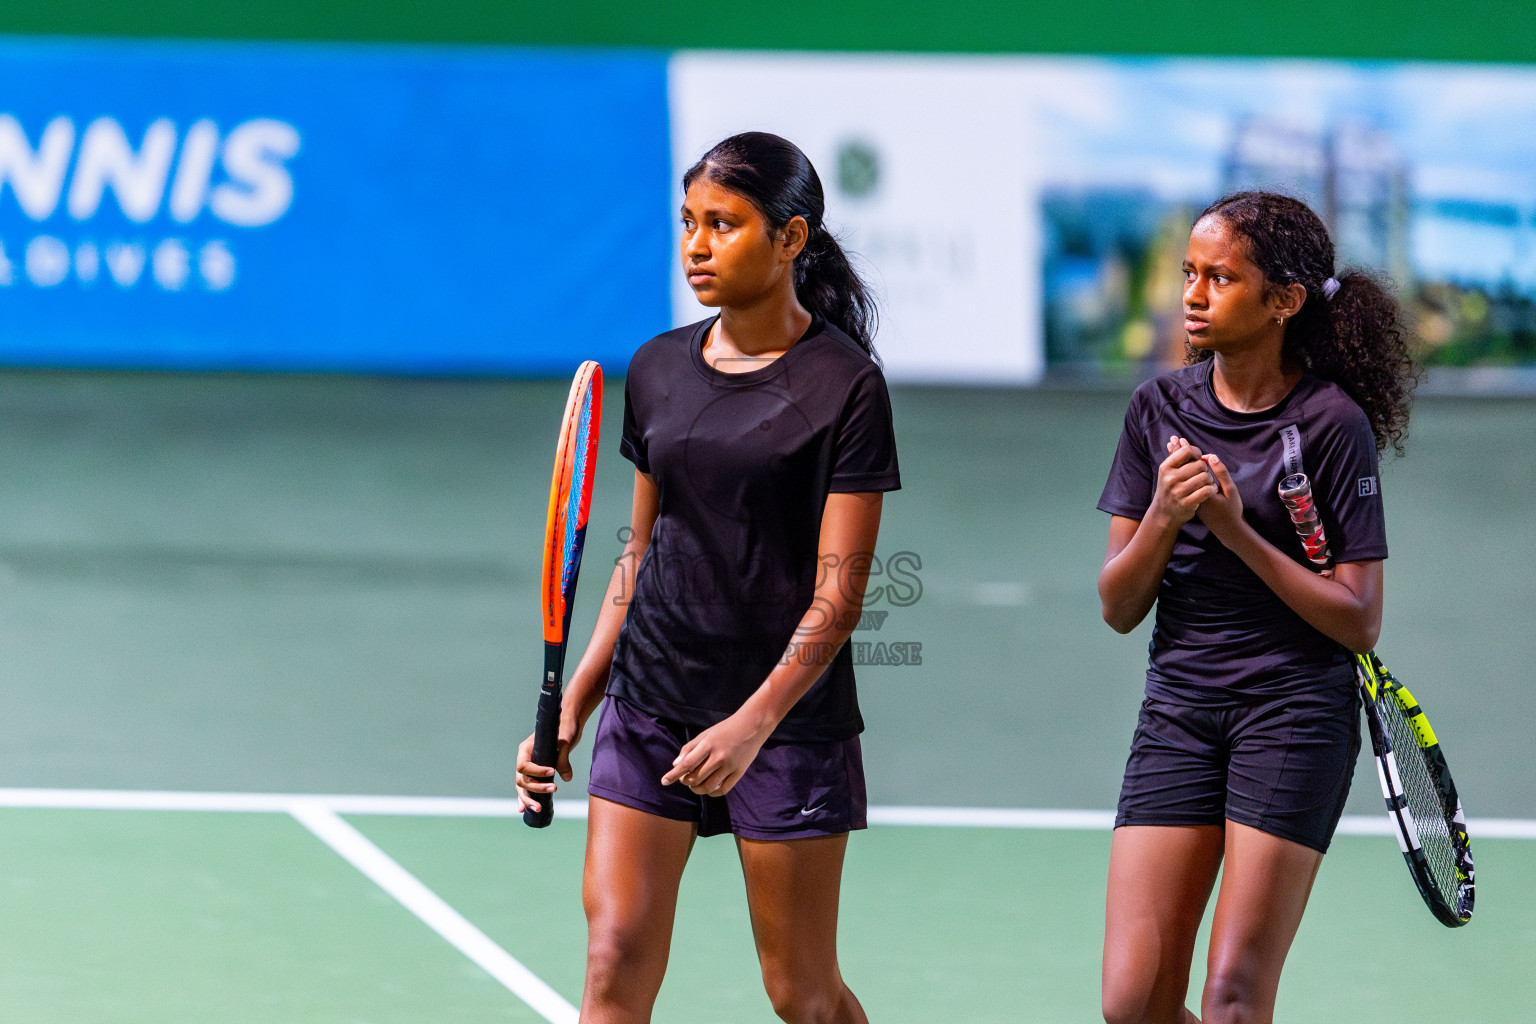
215,588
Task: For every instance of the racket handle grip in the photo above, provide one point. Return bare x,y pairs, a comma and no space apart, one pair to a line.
546,732
1296,495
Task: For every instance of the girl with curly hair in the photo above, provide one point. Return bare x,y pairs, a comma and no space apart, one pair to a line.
1247,739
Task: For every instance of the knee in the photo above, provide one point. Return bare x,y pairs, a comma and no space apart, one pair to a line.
1231,996
615,958
1124,1007
1131,997
803,1001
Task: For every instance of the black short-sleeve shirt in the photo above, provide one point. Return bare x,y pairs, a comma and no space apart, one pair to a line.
1222,637
743,463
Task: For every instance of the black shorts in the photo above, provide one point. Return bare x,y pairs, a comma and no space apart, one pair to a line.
1282,766
790,791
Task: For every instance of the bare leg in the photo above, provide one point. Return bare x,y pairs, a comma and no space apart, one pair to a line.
792,891
1160,879
629,888
1264,890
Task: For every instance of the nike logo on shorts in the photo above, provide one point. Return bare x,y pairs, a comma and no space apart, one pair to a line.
806,811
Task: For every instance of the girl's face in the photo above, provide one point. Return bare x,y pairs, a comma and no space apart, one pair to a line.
1227,304
730,255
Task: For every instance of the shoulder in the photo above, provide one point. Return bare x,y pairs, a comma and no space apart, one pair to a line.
829,359
1329,407
835,348
1166,389
665,349
845,345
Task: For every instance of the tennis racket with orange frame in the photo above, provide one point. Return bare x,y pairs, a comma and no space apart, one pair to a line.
565,530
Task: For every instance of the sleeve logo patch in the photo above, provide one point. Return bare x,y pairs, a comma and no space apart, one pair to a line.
1368,486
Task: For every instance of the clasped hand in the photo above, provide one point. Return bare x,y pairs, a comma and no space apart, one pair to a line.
1191,483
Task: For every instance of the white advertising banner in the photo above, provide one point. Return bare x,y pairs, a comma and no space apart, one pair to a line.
930,179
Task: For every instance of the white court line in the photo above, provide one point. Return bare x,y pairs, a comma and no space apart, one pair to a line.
275,803
142,800
432,910
990,817
576,810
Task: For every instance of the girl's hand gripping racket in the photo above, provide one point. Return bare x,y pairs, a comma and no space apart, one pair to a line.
565,530
1415,780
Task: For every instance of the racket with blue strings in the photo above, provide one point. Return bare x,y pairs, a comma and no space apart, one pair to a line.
565,531
1422,802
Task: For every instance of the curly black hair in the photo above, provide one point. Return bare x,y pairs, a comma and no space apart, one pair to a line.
1354,338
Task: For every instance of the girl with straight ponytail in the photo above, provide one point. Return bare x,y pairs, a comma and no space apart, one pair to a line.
763,444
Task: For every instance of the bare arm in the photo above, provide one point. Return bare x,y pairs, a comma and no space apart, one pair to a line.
715,759
589,681
1346,607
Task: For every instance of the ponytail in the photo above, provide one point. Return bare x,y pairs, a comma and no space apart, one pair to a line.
1350,328
777,178
1361,346
827,284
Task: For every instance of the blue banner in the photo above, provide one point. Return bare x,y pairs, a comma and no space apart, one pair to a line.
298,207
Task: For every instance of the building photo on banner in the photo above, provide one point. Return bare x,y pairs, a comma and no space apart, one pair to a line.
1037,207
286,332
1425,174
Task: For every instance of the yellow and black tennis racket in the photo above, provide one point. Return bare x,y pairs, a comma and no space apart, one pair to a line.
565,530
1415,780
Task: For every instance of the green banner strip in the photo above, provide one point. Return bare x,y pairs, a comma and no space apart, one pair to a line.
1500,30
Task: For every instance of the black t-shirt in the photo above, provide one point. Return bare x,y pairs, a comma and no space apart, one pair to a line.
1222,637
743,463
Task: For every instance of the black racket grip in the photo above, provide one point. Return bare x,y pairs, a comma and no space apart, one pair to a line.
546,733
546,749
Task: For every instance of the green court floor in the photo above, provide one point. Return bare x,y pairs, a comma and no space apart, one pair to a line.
327,585
131,916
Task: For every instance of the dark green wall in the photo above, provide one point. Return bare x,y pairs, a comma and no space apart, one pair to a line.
1502,30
